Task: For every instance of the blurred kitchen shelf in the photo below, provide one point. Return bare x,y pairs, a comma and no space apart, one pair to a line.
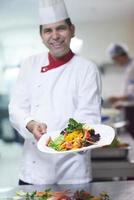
118,169
10,154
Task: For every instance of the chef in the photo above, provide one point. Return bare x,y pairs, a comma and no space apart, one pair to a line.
119,55
51,88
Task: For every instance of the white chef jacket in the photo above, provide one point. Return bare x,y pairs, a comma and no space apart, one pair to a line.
71,90
129,79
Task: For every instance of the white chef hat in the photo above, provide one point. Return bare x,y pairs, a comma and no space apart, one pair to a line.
117,50
51,11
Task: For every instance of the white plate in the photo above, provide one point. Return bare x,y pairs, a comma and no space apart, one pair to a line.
107,135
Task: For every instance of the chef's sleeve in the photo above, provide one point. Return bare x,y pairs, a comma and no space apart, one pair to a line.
19,106
129,82
89,96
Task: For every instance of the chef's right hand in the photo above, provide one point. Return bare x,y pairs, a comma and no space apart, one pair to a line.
36,128
113,99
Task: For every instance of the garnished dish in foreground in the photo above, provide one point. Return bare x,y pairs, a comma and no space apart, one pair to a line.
75,136
64,195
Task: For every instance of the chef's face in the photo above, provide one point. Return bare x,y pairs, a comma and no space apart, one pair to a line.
57,37
120,60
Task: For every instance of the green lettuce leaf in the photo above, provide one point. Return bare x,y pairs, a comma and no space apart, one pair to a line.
55,144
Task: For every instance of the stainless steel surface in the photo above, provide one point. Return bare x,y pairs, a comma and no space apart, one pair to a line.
120,124
116,168
122,190
110,153
112,170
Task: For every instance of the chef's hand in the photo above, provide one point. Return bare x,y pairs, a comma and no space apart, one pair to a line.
113,99
36,128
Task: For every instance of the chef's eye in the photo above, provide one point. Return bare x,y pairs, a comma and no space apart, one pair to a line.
47,31
61,28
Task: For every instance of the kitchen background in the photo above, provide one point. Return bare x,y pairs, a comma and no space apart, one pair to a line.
98,23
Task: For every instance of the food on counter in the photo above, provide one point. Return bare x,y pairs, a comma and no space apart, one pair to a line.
117,143
83,195
75,136
62,195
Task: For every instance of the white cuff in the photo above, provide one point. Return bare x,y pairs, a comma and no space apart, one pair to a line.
26,133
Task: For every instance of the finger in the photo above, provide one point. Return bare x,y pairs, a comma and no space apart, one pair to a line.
37,136
43,128
37,133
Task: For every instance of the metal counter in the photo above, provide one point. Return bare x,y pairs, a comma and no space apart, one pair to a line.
122,190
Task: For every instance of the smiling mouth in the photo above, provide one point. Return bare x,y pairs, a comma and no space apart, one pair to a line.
57,45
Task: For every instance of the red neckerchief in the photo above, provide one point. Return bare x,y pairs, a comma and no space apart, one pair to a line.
54,63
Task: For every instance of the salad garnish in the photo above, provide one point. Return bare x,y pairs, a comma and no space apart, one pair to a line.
61,195
76,135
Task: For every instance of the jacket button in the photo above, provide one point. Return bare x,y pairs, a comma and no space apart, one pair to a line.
34,162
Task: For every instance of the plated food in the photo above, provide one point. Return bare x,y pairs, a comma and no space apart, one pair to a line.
61,195
76,137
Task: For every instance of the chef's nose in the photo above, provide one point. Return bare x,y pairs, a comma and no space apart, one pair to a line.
55,35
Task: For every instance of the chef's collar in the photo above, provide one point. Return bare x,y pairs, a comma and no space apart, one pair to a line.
54,63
